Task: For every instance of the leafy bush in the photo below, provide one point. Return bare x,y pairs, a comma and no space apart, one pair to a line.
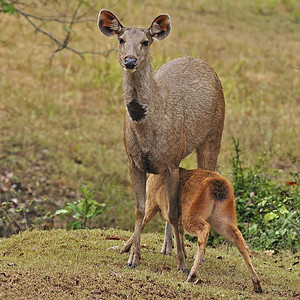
268,211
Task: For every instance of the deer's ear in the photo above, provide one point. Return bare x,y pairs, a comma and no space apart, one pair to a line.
160,27
108,23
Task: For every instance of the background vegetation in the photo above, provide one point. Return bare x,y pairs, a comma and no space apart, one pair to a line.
61,116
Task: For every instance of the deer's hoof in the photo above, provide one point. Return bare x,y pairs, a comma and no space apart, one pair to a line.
191,278
257,287
186,271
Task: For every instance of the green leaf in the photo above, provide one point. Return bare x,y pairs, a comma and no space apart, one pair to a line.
75,208
62,211
283,210
67,29
270,216
8,8
253,229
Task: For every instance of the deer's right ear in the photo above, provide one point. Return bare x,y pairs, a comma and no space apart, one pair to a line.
108,23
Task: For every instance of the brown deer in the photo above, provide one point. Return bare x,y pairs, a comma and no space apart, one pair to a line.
206,200
169,114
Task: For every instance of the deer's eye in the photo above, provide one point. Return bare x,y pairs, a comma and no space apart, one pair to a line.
145,43
121,41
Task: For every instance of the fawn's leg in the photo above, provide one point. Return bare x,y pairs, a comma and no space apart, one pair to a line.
150,211
202,260
172,185
138,179
182,237
168,242
207,156
232,233
201,230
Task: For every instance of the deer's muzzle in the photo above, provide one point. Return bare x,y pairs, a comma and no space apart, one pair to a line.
130,62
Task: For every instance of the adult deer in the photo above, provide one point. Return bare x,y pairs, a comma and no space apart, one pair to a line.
206,199
169,114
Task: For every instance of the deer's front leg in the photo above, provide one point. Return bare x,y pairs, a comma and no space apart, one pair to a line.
138,179
172,185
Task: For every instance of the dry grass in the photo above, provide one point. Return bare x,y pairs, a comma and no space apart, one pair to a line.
61,124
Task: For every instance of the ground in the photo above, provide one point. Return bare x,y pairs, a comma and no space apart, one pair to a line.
86,264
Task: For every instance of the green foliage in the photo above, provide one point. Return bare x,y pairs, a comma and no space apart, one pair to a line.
7,7
85,209
268,211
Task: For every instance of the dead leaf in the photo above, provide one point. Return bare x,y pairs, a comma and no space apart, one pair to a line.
292,183
113,248
116,274
269,252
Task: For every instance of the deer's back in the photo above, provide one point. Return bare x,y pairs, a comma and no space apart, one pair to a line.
193,94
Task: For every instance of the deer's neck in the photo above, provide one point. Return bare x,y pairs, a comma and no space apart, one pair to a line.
138,91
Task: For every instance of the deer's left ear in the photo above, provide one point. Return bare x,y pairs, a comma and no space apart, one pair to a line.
108,23
160,27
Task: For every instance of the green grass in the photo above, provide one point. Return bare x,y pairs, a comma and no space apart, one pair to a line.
61,124
86,264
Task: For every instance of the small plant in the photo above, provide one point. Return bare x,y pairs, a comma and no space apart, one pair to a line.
85,209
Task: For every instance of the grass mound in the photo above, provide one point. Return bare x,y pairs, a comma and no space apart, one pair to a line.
86,264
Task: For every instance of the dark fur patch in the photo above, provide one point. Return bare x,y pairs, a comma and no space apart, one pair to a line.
218,189
148,165
136,111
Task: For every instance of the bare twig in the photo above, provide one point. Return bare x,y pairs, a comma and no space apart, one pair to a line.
57,20
61,45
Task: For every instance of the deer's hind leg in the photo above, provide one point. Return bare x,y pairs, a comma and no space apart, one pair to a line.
232,233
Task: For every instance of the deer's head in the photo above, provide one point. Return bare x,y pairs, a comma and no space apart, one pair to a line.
134,43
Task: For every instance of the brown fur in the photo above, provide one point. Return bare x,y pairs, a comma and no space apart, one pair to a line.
169,114
206,200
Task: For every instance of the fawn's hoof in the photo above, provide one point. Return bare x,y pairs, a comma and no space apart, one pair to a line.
257,287
125,248
191,278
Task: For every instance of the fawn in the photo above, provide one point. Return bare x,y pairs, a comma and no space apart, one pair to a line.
206,200
169,114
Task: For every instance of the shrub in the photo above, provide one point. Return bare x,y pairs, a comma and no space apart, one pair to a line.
268,211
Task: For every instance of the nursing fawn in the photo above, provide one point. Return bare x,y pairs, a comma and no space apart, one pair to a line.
206,200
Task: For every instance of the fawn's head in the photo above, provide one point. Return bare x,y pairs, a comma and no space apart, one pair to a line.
134,43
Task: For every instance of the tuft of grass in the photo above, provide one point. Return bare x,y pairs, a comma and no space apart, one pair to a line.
86,264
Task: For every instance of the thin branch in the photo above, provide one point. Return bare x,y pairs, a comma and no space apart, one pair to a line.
48,19
61,45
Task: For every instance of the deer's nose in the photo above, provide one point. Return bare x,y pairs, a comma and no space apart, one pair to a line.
130,62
